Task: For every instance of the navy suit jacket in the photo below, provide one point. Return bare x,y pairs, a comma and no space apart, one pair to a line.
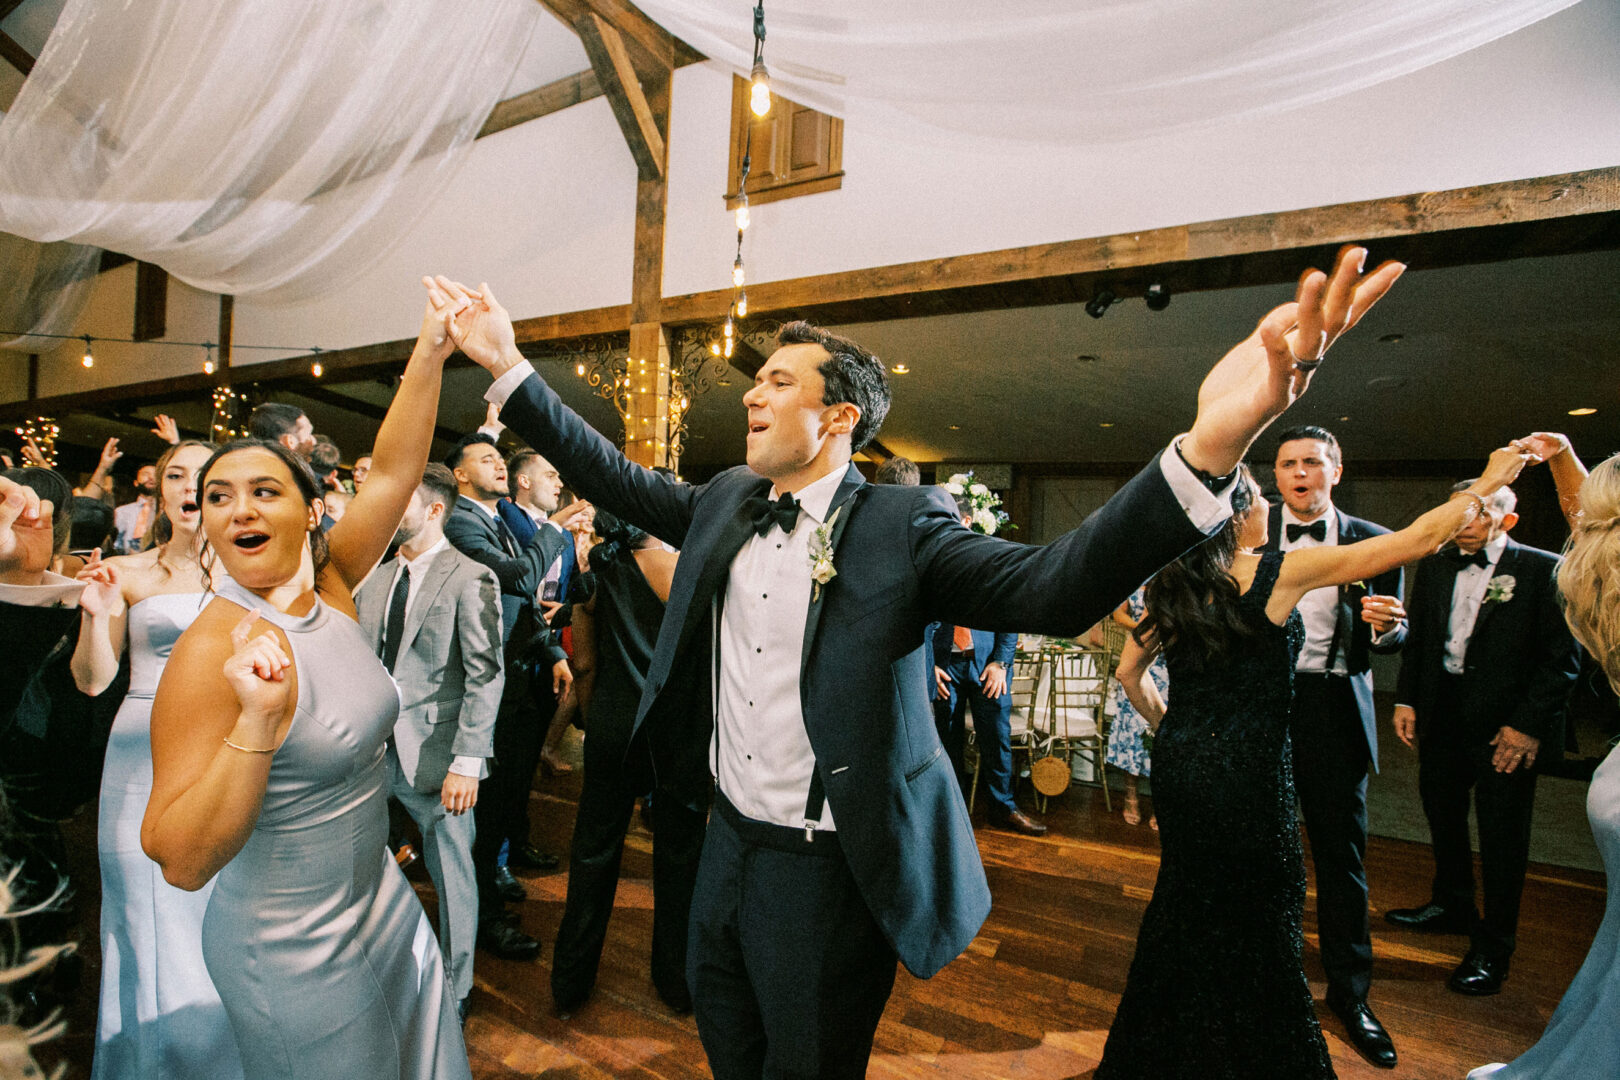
903,560
1521,662
471,531
1358,650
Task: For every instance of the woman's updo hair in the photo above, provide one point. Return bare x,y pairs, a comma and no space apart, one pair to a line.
161,531
1590,575
309,488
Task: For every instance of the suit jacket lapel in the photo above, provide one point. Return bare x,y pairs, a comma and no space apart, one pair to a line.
717,561
438,572
843,500
1507,564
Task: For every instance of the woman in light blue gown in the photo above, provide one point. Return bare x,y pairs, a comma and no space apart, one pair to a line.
1582,1039
160,1014
268,767
1128,734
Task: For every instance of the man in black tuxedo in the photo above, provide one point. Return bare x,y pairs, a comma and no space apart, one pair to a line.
1332,725
839,840
531,652
1484,682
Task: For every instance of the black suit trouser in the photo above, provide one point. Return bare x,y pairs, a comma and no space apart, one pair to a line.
789,970
1450,766
1330,775
502,810
606,803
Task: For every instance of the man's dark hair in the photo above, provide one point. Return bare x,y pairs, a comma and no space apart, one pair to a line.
440,484
52,485
519,460
452,460
1312,431
852,375
325,457
899,470
92,525
272,420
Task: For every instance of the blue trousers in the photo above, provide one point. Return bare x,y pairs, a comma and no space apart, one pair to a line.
992,721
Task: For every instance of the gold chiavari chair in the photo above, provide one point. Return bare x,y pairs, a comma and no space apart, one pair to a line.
1074,722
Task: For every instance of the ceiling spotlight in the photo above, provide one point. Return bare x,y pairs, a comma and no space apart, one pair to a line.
1106,423
1582,412
900,369
954,427
1344,419
1098,305
1157,297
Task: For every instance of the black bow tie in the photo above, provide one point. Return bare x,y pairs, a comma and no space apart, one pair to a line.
1316,530
783,513
1462,558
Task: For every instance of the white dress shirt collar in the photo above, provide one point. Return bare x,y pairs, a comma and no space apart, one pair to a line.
1330,515
816,498
426,557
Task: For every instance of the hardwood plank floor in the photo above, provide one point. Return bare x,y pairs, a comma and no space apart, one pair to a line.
1031,998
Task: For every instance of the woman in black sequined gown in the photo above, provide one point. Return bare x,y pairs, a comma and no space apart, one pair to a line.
1217,986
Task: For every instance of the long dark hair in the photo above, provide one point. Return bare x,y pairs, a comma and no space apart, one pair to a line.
308,487
1192,604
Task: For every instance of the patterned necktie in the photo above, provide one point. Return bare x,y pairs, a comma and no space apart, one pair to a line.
395,627
1316,530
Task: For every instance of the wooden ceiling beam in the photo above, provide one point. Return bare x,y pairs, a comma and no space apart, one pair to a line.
359,407
652,48
622,82
15,55
542,101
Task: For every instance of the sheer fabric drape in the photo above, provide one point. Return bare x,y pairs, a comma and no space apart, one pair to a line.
47,286
1082,71
252,148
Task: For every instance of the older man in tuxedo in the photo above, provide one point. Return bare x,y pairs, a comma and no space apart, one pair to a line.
434,616
1484,682
839,840
475,528
1333,727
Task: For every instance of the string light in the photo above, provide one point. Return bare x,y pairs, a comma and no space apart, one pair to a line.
89,360
208,359
742,213
42,431
760,94
316,369
742,304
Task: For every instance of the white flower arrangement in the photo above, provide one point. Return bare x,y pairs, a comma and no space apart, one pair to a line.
984,506
821,554
1499,590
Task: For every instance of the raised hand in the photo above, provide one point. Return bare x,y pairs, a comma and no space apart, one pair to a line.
102,595
109,455
257,671
164,427
492,420
435,336
482,328
1268,370
575,513
1504,466
33,455
1543,445
25,527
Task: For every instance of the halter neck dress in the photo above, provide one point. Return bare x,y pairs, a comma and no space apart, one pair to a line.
321,951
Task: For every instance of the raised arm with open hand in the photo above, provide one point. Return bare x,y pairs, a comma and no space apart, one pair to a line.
1267,371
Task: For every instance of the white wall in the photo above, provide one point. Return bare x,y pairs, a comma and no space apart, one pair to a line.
545,211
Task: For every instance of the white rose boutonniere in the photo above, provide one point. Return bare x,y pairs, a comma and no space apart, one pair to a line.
1499,590
821,554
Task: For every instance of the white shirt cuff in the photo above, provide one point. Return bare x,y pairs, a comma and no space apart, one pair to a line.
467,765
491,430
1205,509
54,591
1379,639
502,388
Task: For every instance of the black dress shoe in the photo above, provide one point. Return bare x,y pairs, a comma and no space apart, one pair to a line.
508,886
1479,975
529,857
1019,822
1365,1033
506,941
1431,918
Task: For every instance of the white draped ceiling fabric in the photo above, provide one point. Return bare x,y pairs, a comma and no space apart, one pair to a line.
272,149
47,286
1077,72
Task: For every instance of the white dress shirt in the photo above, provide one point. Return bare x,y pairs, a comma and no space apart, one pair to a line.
1467,597
761,753
461,764
1319,607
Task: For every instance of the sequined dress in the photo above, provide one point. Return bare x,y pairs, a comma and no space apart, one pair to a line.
1217,986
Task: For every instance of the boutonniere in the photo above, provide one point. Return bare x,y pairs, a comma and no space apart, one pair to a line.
821,554
1499,590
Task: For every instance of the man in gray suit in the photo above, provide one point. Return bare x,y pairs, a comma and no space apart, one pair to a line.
434,617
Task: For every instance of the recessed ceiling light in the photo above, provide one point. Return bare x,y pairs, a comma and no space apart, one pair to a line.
1087,358
1390,339
1344,419
1106,423
955,427
1582,412
722,382
900,369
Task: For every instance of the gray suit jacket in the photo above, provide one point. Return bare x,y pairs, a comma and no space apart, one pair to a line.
449,667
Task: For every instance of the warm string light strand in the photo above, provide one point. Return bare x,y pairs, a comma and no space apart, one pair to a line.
42,433
209,366
760,104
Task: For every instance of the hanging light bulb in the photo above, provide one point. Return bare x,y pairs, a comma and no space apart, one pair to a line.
728,348
579,369
760,97
89,358
714,347
208,367
737,276
729,327
316,369
742,305
742,214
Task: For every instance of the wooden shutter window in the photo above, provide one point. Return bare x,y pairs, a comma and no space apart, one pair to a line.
796,150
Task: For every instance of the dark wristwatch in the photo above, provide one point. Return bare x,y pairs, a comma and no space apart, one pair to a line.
1215,484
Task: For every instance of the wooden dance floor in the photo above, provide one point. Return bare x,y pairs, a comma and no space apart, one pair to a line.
1031,998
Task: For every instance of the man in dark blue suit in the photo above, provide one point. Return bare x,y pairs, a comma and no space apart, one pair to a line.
839,840
1332,725
1484,683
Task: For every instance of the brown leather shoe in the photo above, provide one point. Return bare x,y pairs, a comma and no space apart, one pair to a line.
1019,822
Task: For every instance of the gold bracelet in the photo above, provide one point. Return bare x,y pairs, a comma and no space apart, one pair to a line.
250,749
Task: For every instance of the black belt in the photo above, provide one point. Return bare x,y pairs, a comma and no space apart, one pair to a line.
823,842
